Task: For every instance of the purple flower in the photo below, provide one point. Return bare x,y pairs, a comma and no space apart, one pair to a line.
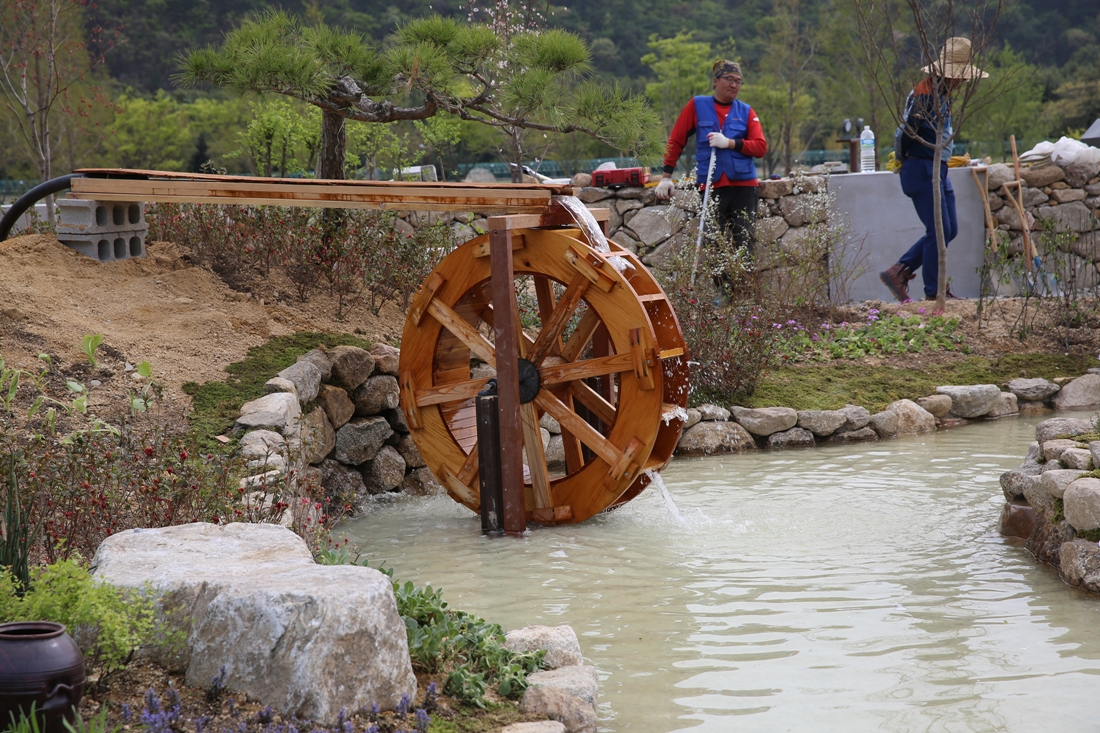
922,310
792,323
814,337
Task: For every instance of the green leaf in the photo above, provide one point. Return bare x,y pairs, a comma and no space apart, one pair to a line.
89,344
144,369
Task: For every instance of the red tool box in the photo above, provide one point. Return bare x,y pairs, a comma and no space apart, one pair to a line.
620,177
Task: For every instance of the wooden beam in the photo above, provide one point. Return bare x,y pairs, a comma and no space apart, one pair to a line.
597,367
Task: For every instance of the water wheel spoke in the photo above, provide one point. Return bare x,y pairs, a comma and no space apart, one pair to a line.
573,422
463,331
536,456
594,401
453,392
555,324
581,335
598,367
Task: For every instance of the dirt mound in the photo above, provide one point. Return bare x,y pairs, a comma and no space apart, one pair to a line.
161,308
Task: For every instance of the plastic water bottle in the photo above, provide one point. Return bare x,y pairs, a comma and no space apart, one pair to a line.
867,150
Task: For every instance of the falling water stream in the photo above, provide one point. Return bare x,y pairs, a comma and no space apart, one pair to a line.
841,588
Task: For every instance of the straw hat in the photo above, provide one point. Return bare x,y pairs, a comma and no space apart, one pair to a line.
954,62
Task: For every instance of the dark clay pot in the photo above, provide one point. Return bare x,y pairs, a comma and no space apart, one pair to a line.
39,664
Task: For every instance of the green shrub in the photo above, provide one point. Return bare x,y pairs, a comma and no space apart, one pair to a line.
110,623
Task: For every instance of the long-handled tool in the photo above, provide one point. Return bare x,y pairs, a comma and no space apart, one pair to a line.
1015,190
703,215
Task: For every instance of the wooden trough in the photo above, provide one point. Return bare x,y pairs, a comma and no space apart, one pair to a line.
595,325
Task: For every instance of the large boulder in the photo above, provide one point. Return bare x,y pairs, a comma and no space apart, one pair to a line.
1082,393
938,404
351,366
856,417
421,482
912,418
321,360
1082,503
859,435
651,225
306,378
1043,175
318,437
713,412
710,438
973,400
1017,520
359,440
408,450
386,358
343,486
1079,561
1062,427
764,421
559,642
821,422
336,404
377,394
885,424
1005,406
550,702
1015,481
306,639
1052,450
793,438
384,472
1079,458
278,412
1056,482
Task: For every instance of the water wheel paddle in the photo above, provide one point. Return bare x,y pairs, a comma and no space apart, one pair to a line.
601,352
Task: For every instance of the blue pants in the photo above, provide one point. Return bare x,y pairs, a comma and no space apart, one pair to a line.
916,183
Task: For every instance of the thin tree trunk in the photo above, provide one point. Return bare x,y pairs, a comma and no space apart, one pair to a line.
517,155
937,203
330,162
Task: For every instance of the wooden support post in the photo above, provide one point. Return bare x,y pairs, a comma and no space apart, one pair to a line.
488,443
506,327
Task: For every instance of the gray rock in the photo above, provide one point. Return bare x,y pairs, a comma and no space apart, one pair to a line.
770,229
550,702
359,440
321,360
793,438
577,680
1036,495
1078,458
938,404
351,366
999,174
693,417
1034,197
555,451
421,482
537,726
821,422
377,394
775,189
1017,520
650,225
336,404
1015,481
860,435
1082,393
1052,449
972,400
1079,174
318,437
279,411
856,417
278,384
626,241
885,424
266,464
1064,196
713,412
591,194
582,180
260,443
304,638
1079,561
560,643
1062,427
408,450
386,358
384,472
912,418
343,486
1043,175
797,210
548,423
1094,450
1004,407
306,378
396,419
1082,504
1057,481
1071,217
1034,451
764,421
710,438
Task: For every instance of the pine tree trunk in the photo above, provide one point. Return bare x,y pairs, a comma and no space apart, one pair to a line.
330,162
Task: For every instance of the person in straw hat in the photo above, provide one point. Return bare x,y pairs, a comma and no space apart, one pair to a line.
927,106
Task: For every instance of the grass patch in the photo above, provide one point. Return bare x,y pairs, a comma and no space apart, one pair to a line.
217,404
828,387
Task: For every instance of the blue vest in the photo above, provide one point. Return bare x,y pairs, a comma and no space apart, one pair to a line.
736,166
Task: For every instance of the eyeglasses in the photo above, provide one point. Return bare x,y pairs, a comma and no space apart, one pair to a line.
730,79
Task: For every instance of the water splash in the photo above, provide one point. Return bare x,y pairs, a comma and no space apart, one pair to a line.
677,414
656,480
591,228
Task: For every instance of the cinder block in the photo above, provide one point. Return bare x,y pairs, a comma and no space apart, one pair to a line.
80,216
107,247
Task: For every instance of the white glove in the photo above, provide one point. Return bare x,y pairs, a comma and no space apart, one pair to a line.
664,189
718,140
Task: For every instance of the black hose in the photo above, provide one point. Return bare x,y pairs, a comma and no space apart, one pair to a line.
32,197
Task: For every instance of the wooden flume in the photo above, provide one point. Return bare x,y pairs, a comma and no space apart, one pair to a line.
610,355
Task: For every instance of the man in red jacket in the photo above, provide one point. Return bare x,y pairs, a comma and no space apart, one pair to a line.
728,128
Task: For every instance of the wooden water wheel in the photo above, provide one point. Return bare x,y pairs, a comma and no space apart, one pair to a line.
610,360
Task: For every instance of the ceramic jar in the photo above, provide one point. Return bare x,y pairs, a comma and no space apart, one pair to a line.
39,664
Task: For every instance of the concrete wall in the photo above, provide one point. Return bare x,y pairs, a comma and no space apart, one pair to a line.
884,224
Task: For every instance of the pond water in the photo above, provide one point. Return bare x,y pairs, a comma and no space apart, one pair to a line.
841,588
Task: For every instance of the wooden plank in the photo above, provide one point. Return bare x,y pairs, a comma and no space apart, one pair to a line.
463,330
469,472
597,367
584,266
423,296
594,401
536,456
626,467
550,515
408,400
644,360
563,311
670,353
452,484
553,215
571,421
482,249
450,392
581,335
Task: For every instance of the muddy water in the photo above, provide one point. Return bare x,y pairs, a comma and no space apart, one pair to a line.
859,588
